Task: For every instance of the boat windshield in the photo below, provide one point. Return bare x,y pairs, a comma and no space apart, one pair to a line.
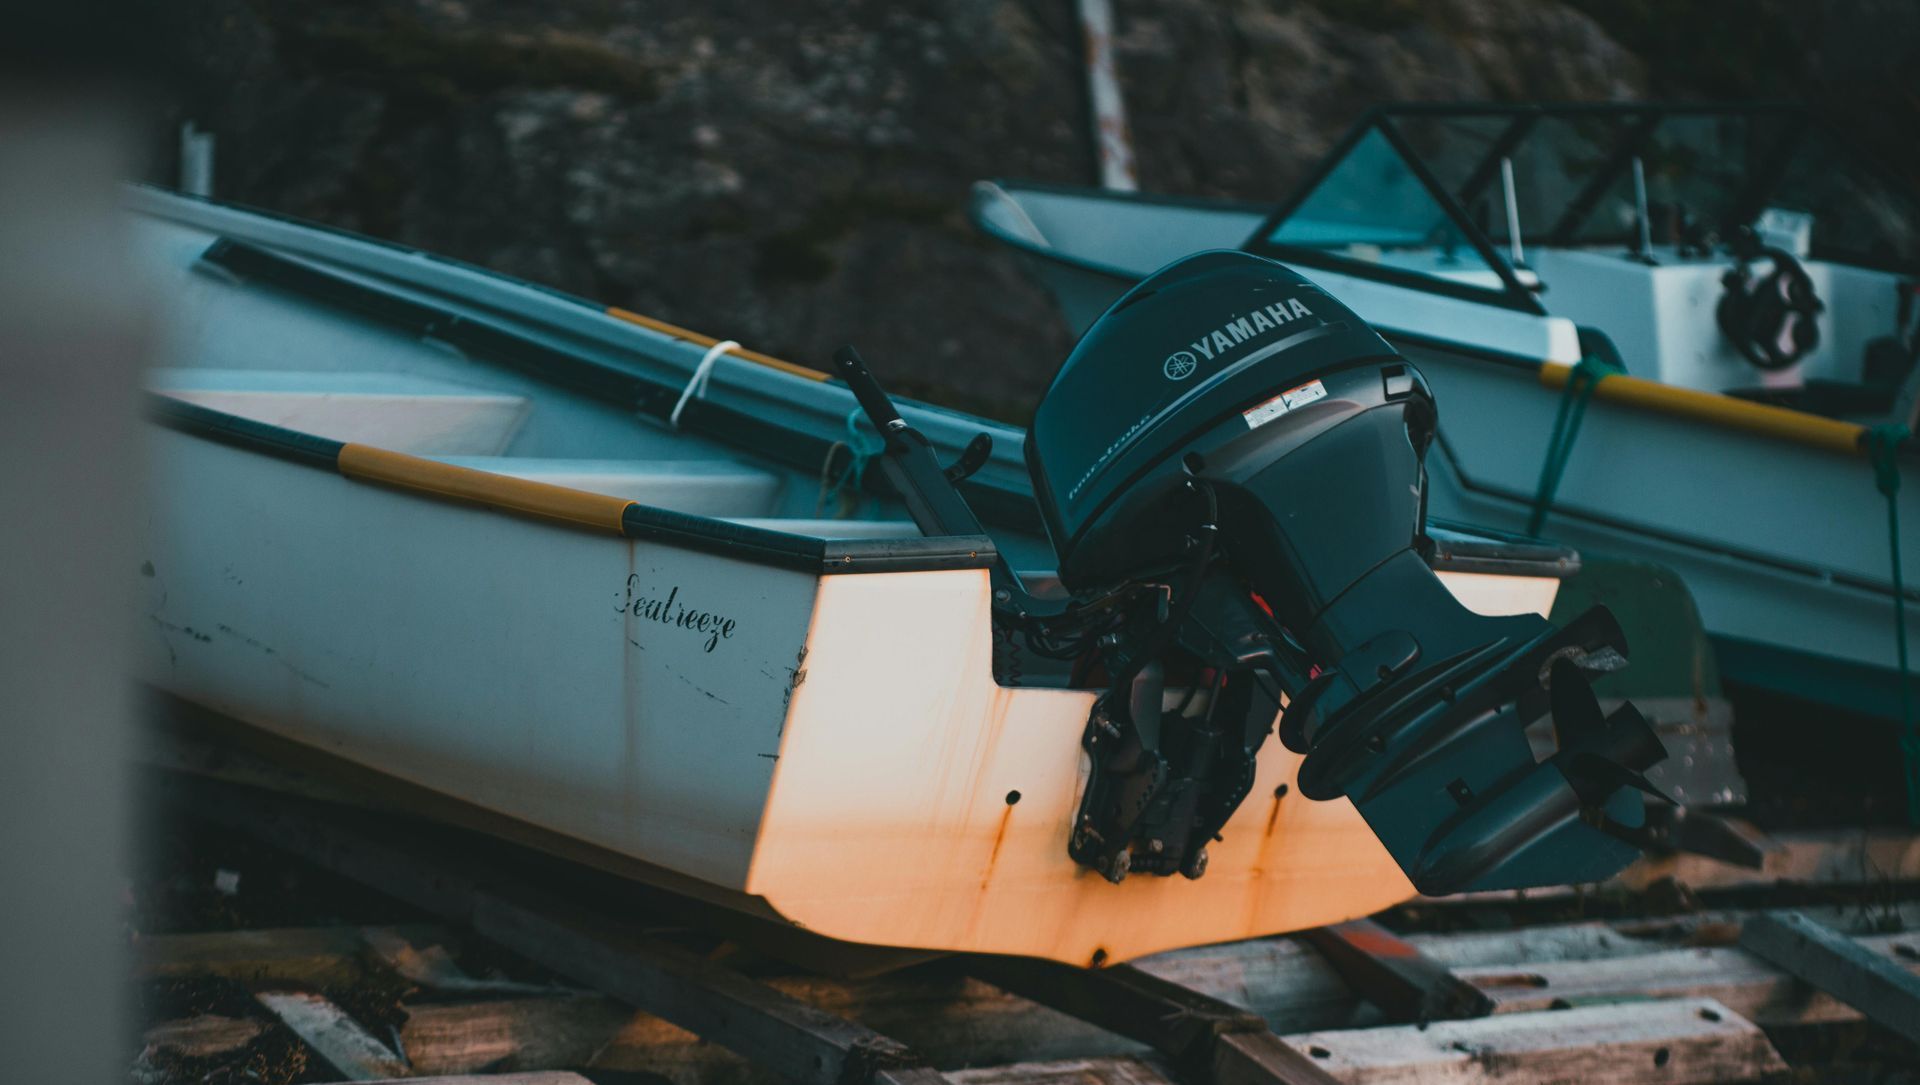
1432,195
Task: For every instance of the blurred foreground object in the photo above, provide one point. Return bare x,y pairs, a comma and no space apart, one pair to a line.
73,332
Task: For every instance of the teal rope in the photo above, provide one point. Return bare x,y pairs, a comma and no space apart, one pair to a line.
1883,447
862,447
1586,376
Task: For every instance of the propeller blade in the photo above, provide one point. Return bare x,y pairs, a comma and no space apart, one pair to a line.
1576,711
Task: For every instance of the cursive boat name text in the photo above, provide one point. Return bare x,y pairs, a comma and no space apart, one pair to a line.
671,611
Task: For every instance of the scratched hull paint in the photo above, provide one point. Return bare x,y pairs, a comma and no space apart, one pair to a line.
666,643
890,820
477,654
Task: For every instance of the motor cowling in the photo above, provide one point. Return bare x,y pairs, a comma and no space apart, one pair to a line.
1230,467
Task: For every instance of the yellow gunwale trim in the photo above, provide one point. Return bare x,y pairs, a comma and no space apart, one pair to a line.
364,463
1763,419
691,336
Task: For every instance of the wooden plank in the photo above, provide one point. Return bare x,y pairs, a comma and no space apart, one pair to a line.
1746,984
1280,979
544,1078
334,1036
425,961
518,1034
528,1033
1581,941
951,1021
705,998
1675,1042
956,1021
1888,994
1408,986
1176,1021
1188,1026
1102,1071
1743,983
202,1036
302,956
1261,1058
421,866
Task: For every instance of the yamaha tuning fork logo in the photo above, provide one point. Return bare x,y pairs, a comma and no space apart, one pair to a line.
1180,365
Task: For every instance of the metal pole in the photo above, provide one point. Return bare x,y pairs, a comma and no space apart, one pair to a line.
1513,213
196,161
1643,239
1110,136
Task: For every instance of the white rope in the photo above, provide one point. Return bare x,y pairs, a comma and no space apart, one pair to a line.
698,385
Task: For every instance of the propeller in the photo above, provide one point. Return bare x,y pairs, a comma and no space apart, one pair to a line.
1599,754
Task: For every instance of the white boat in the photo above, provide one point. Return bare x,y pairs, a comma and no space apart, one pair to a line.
592,573
1498,246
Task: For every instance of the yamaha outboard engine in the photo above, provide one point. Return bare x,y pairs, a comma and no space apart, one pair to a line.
1230,466
1237,443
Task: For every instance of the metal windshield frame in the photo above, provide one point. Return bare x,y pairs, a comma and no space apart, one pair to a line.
1639,121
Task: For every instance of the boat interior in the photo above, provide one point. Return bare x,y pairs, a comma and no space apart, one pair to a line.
1739,250
347,366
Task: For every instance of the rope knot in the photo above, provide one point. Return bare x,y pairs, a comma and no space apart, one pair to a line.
1883,448
1587,374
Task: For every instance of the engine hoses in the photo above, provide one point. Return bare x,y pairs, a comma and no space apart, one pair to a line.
1162,636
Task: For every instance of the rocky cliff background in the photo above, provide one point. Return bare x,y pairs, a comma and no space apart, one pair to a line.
793,174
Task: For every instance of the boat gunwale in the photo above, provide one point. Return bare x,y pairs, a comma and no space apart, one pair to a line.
570,507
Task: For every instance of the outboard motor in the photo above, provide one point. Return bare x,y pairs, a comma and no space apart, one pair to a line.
1230,466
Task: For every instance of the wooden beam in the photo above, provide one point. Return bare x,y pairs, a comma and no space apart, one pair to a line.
334,1036
304,956
202,1036
426,962
421,865
1261,1058
705,998
1408,986
1674,1042
527,1034
1888,994
549,1077
1200,1033
954,1020
1097,1071
1174,1020
1677,1042
1745,983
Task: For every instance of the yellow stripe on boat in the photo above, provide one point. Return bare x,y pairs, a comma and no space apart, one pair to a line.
691,336
1764,419
539,499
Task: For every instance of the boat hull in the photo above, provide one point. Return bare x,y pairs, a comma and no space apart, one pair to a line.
836,753
1809,581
